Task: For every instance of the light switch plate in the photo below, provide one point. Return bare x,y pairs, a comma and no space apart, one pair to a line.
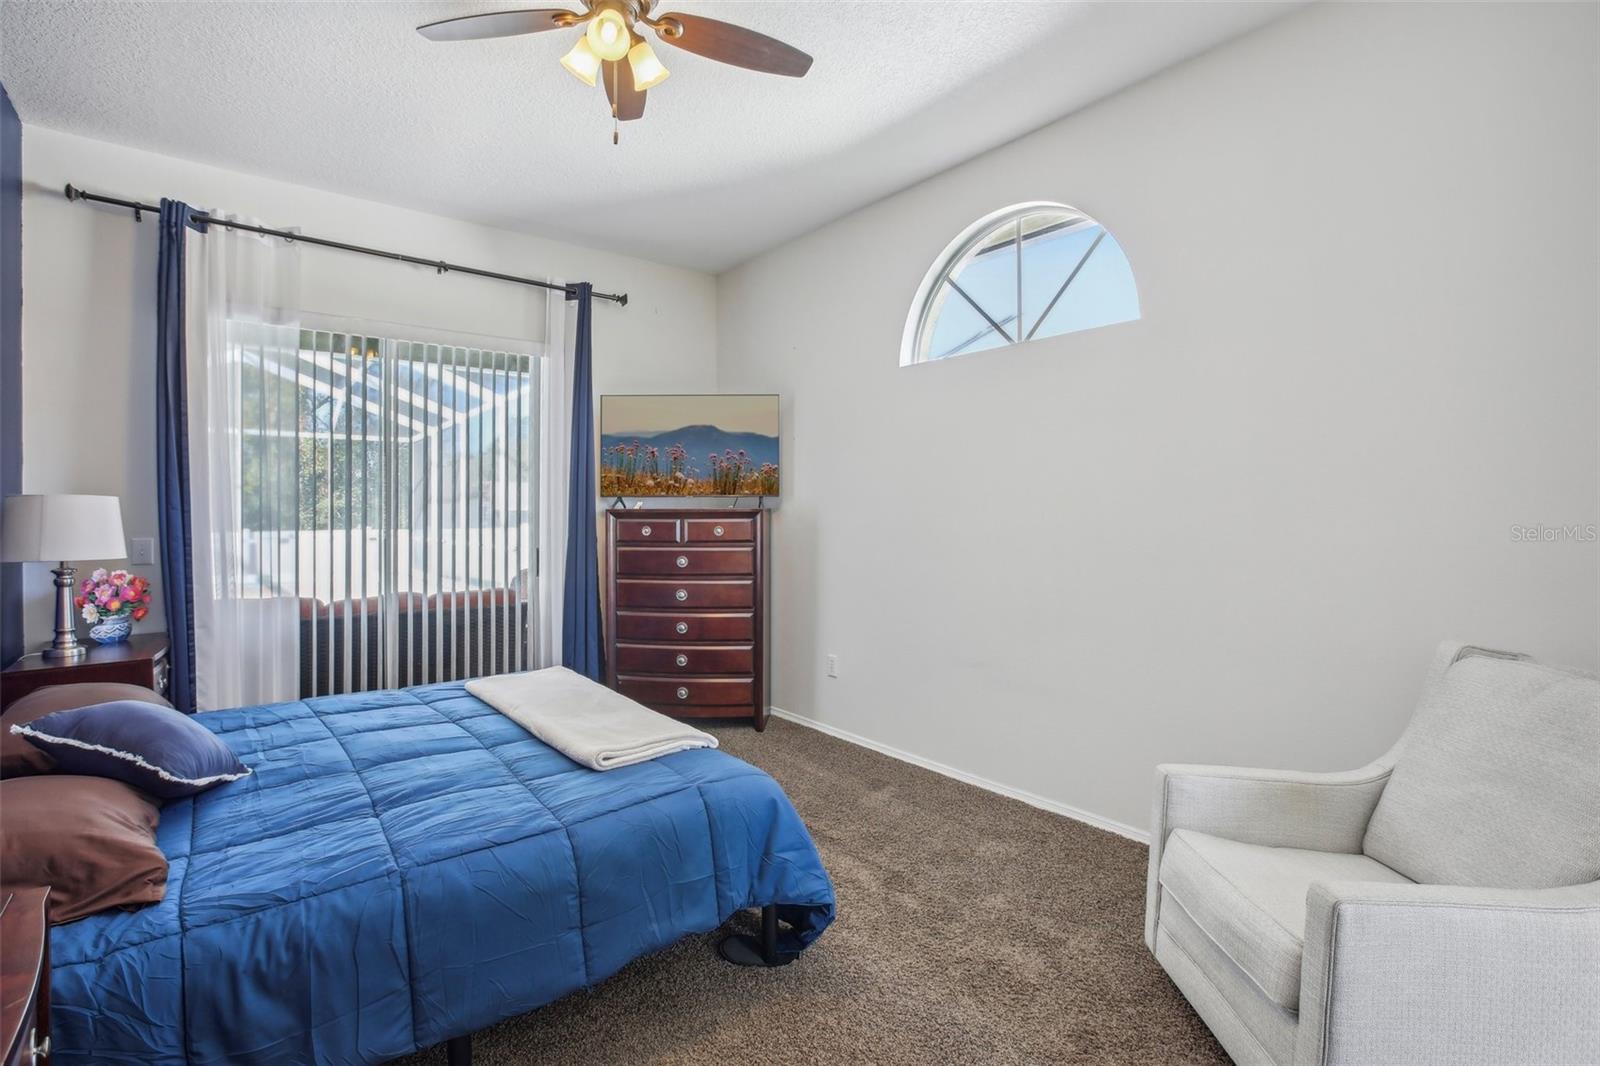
142,551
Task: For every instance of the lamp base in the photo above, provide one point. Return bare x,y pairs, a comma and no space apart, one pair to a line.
66,645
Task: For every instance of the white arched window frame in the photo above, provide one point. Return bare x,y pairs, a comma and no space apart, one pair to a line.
1025,272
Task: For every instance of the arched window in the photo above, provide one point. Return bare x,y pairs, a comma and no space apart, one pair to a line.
1029,271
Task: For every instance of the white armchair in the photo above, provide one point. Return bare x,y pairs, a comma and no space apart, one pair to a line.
1440,905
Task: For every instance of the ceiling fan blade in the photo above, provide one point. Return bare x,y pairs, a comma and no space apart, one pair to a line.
629,102
727,43
498,24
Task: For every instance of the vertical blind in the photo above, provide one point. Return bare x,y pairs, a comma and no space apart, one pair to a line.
389,487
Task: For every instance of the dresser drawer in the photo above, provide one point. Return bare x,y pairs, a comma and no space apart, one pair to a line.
730,627
690,561
640,592
695,710
719,530
647,530
684,659
667,693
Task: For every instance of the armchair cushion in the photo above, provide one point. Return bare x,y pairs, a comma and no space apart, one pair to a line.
1496,783
1250,900
1278,808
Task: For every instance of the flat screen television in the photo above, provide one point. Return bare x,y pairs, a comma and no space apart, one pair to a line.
688,446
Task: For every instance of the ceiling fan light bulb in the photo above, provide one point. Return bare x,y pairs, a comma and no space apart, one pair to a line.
648,71
582,62
608,34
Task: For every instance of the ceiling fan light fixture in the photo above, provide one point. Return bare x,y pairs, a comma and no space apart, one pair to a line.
582,63
648,71
608,34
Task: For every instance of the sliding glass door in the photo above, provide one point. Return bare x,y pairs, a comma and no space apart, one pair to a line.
388,487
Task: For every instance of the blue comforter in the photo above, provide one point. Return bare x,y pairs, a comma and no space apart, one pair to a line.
404,867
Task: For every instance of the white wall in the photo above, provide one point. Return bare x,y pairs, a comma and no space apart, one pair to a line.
1365,238
89,289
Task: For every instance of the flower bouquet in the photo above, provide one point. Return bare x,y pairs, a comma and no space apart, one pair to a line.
111,601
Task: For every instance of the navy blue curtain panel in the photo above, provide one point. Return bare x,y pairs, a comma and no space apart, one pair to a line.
11,645
172,445
580,603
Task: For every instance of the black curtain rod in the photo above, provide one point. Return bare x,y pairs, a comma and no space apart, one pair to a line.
138,209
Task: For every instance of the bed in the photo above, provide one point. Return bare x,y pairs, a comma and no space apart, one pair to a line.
403,868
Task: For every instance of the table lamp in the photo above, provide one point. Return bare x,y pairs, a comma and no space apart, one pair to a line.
58,528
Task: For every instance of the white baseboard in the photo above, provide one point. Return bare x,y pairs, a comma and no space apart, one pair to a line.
1031,799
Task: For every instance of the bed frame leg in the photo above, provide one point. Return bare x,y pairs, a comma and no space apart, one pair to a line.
458,1051
742,949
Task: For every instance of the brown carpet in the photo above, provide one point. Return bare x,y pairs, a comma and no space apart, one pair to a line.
971,929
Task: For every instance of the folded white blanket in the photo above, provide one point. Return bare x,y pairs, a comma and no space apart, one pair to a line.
585,721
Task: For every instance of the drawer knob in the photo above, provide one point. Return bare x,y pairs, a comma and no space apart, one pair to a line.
717,530
683,660
682,628
683,561
682,595
645,532
683,693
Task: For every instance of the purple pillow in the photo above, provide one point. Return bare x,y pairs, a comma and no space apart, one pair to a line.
158,750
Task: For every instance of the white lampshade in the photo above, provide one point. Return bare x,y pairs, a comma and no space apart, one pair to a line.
62,528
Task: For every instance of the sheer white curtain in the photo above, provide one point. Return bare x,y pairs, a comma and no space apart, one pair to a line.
241,291
555,455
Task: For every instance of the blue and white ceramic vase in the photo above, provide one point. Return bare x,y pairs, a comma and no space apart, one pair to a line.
113,630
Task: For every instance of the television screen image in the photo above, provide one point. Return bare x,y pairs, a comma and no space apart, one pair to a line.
689,445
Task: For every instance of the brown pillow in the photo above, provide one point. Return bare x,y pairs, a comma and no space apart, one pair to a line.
18,758
91,839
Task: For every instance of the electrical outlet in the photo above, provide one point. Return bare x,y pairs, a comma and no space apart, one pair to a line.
142,551
833,666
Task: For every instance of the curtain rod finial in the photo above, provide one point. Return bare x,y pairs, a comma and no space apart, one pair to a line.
72,194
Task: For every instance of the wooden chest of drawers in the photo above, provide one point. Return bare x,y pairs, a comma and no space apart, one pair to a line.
686,611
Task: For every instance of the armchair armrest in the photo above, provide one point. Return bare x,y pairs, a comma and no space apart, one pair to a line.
1278,808
1431,973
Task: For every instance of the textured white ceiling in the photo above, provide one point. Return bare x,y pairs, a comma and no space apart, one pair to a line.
725,163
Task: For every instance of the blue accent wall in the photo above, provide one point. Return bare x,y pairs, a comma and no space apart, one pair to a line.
10,360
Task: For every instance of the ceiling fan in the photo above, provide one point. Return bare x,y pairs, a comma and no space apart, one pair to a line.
612,50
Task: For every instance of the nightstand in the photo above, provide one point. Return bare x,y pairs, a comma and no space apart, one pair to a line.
139,660
24,976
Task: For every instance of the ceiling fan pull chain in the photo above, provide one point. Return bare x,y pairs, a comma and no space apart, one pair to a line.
615,94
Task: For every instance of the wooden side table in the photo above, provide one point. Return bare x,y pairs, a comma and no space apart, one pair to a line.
140,660
24,976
